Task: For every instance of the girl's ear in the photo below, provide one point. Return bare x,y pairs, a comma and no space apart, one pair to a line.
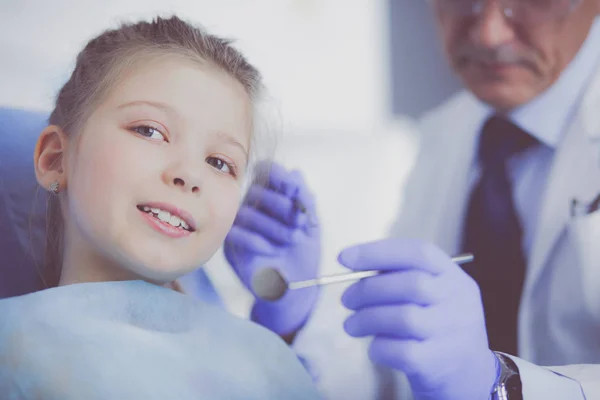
49,159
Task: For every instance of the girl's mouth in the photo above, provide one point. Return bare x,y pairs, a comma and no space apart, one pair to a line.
165,218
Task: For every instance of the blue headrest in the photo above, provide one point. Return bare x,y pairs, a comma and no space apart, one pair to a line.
22,203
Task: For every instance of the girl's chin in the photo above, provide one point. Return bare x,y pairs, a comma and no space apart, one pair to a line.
160,275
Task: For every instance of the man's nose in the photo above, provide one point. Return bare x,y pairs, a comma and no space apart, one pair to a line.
491,27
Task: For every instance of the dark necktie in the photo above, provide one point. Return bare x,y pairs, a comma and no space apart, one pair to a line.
493,233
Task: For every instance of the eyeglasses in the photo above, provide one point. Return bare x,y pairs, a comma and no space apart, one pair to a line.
528,12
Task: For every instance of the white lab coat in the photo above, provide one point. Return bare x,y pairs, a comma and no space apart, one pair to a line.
559,317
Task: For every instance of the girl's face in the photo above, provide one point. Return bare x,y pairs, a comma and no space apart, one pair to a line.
154,181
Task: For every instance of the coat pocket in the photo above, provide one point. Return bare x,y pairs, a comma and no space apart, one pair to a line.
585,231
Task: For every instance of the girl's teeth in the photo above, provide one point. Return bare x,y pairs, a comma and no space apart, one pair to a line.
163,216
167,217
175,221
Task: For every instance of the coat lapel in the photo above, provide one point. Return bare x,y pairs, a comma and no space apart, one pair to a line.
456,176
436,199
575,174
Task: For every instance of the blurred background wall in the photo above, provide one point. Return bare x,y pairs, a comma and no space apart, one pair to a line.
419,76
345,78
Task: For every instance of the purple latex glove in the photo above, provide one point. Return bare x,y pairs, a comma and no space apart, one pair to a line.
426,317
272,230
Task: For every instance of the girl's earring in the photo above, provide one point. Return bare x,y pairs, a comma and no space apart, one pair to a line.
54,187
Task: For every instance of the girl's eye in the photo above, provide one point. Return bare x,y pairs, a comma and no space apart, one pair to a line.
221,165
149,132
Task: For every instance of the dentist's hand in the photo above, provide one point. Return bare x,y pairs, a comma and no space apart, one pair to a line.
271,230
426,317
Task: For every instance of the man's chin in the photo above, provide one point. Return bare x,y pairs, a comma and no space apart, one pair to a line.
501,96
500,92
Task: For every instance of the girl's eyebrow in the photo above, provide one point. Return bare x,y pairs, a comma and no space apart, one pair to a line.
155,104
231,140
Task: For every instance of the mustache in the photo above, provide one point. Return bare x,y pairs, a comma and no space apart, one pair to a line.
504,54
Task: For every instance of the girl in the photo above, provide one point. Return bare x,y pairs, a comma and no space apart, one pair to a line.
145,157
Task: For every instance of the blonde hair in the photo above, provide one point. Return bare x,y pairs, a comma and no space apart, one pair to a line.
101,64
